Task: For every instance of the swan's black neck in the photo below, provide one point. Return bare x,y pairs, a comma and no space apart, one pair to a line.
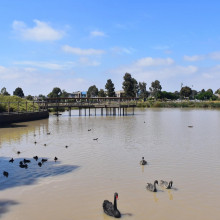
115,202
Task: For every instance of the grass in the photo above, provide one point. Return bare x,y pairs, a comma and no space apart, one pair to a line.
16,103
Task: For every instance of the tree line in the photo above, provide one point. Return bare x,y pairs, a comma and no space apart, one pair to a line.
131,88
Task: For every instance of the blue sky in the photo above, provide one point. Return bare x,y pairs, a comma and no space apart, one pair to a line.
73,44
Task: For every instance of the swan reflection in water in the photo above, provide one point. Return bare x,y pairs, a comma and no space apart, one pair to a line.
155,198
170,194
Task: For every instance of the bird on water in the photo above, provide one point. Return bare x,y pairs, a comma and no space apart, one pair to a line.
152,187
5,173
11,161
111,209
55,159
166,185
143,161
35,157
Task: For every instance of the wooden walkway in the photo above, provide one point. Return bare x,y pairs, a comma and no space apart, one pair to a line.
111,106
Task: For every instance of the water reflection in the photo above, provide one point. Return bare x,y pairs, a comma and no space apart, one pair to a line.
21,176
170,194
155,197
5,206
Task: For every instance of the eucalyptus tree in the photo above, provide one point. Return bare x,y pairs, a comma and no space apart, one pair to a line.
109,86
130,85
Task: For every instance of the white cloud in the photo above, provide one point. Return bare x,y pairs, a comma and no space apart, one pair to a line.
121,50
42,31
86,62
149,61
194,58
82,52
97,34
215,55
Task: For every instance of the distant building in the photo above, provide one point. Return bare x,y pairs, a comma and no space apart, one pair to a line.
120,93
77,94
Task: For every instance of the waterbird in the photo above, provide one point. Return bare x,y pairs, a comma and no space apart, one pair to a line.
5,173
26,161
23,166
35,157
152,187
45,145
190,126
111,209
39,164
43,160
143,161
18,152
66,146
95,139
48,133
35,142
89,129
11,161
166,184
55,159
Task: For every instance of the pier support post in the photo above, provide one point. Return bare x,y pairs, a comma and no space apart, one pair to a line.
89,111
69,111
85,111
95,111
101,111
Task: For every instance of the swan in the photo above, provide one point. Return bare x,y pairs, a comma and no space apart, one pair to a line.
5,173
26,161
35,157
111,209
55,159
11,161
166,184
143,161
152,187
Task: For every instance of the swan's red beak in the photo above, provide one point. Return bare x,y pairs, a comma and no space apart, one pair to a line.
117,197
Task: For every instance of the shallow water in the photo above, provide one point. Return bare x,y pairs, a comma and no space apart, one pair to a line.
89,171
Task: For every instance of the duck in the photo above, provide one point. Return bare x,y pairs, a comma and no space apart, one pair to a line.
143,161
26,161
111,209
45,145
95,139
35,157
55,159
152,187
66,146
23,165
165,184
18,152
48,133
43,160
5,173
89,129
35,142
12,160
39,164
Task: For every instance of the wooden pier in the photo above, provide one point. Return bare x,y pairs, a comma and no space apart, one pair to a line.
107,105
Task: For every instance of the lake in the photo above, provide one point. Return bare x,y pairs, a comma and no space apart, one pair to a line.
89,171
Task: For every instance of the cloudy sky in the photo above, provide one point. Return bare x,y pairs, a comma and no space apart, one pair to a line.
73,44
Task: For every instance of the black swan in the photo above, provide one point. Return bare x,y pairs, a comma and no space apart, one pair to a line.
43,160
35,157
152,187
143,161
55,159
111,209
166,184
26,161
18,152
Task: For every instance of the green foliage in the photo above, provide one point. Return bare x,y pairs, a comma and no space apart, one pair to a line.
56,92
101,93
109,86
130,85
4,92
185,92
29,97
206,95
19,92
64,94
143,93
167,95
92,91
155,88
13,100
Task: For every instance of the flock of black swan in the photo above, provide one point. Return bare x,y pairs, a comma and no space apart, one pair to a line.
112,210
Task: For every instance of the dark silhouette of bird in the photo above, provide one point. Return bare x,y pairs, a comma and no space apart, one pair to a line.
18,152
11,161
34,135
45,144
35,142
5,173
21,162
35,157
166,184
143,161
23,165
55,159
95,139
89,129
152,187
48,133
43,160
26,161
66,146
39,164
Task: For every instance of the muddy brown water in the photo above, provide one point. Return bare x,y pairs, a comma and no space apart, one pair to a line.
89,171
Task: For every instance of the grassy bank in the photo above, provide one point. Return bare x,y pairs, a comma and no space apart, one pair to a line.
180,104
14,100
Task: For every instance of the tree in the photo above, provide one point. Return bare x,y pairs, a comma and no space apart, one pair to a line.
42,97
217,91
130,85
185,91
143,93
4,92
155,88
56,92
64,94
29,97
92,91
101,93
109,86
19,92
